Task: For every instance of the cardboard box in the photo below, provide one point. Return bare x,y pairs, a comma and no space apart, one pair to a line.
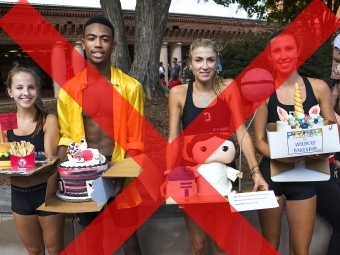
133,167
18,162
287,144
47,165
310,170
54,204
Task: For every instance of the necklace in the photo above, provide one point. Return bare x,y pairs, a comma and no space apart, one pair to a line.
203,98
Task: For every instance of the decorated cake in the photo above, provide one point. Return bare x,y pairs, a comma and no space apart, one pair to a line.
84,165
300,120
181,183
4,155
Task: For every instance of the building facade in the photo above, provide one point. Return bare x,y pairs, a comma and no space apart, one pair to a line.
181,30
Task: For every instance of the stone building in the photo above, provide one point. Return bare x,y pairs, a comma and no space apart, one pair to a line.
181,30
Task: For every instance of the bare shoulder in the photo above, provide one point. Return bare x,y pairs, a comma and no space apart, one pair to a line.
51,121
179,91
178,95
319,86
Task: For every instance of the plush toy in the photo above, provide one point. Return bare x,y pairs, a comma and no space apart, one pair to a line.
212,152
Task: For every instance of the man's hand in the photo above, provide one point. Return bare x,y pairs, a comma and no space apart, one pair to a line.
119,183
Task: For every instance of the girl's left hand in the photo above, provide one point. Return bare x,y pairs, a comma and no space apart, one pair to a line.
259,182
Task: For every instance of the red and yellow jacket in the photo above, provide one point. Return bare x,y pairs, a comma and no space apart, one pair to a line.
128,112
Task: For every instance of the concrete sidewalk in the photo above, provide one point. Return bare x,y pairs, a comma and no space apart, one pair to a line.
163,234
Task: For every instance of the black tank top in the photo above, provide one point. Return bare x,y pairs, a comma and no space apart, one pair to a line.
37,141
209,120
307,104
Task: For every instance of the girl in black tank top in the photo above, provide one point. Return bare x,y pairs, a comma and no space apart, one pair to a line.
307,104
28,192
300,198
209,121
193,107
37,140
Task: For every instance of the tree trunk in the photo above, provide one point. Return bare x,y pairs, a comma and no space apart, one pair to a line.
120,58
150,22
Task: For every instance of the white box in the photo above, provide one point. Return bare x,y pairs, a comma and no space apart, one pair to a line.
287,144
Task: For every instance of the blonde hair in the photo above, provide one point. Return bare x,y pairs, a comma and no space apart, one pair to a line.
217,84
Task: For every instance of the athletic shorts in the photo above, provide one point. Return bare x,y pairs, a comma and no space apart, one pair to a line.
25,201
291,190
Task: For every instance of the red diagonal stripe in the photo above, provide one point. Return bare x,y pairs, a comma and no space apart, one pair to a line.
223,231
49,41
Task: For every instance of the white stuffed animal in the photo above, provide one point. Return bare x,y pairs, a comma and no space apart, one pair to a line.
213,152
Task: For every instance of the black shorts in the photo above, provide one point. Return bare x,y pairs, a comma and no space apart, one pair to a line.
291,190
125,217
25,201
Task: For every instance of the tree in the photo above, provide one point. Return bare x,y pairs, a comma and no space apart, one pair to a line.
282,11
150,22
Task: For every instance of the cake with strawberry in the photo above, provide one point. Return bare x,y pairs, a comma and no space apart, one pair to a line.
300,120
83,166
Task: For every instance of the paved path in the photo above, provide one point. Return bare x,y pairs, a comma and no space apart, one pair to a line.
163,234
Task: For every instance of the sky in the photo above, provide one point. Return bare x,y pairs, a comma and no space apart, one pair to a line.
177,6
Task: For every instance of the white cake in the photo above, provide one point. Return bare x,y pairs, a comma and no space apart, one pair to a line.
300,120
289,122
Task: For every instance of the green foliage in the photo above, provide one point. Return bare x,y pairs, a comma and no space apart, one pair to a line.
237,55
319,64
282,11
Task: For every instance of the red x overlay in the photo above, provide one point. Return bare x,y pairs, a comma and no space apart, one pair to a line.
33,33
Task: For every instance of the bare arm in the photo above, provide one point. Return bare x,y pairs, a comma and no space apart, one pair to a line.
234,101
260,123
337,119
175,110
62,153
323,95
4,136
51,135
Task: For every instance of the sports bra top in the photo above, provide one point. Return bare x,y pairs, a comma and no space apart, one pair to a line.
212,119
307,104
37,141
